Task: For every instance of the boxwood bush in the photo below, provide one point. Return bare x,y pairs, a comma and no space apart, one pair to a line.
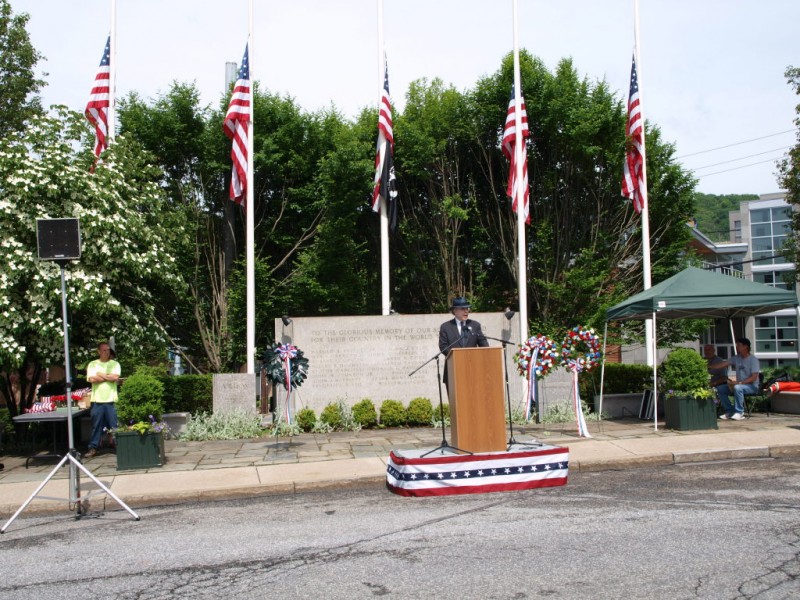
332,415
306,419
140,397
364,413
393,413
419,412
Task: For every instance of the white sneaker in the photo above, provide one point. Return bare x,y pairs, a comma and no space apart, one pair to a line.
724,417
737,416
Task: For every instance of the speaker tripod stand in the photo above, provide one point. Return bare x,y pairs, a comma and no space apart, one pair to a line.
71,457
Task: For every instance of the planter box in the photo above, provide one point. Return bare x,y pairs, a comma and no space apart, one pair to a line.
136,451
686,413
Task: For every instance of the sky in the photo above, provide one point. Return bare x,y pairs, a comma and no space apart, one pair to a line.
711,73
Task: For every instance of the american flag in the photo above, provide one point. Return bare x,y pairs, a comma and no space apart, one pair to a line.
237,127
509,142
633,179
385,181
412,473
100,100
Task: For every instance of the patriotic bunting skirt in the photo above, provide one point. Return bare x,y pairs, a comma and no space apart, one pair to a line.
440,474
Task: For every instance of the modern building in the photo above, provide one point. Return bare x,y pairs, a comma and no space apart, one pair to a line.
758,231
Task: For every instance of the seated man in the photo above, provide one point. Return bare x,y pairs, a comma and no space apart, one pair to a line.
745,382
718,375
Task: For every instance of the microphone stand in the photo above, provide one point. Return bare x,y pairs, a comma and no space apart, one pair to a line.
511,440
444,446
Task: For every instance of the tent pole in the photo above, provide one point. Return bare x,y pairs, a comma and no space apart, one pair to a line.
655,375
733,335
603,371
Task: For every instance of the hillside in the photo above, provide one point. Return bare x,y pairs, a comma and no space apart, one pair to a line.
711,212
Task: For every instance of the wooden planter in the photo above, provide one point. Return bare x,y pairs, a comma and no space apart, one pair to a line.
137,451
685,413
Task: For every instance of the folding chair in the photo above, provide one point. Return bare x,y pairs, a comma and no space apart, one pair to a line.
750,400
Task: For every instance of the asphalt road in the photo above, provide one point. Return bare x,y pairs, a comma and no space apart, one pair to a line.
720,530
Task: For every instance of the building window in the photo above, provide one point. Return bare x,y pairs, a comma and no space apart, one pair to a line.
776,334
779,279
769,228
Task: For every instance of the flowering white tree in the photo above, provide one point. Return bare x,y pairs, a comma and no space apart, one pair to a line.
126,269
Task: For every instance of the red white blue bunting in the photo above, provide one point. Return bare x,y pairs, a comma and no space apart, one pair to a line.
410,474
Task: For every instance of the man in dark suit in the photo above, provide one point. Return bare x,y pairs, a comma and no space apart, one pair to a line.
461,331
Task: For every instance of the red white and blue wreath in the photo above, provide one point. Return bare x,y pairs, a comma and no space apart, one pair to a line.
580,351
535,359
285,365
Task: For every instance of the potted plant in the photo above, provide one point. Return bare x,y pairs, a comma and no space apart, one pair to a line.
688,399
140,432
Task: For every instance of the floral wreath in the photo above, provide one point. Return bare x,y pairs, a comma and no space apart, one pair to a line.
544,360
275,365
580,349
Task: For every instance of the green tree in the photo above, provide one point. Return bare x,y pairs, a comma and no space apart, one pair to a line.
789,172
18,58
126,269
179,135
711,213
584,242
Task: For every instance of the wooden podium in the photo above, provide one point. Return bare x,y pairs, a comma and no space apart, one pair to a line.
475,389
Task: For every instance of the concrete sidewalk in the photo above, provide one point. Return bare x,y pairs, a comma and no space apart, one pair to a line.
266,466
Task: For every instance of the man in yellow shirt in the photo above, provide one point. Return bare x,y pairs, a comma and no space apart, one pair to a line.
103,374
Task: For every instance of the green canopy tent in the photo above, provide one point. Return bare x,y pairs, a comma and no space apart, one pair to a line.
698,294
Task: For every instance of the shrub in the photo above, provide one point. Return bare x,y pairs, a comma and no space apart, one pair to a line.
157,371
684,371
306,419
393,414
232,425
7,431
140,397
332,415
364,413
619,379
188,393
419,412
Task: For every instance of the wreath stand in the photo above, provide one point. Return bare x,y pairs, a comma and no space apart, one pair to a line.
72,457
284,364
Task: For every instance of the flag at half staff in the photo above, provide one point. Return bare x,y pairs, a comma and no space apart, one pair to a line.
385,183
633,177
237,127
509,145
100,101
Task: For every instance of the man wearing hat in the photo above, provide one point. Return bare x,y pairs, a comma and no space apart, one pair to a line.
461,331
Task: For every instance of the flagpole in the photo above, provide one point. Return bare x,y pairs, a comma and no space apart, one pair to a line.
250,210
649,324
386,301
522,262
112,77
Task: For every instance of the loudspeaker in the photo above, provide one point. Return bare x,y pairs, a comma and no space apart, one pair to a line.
58,239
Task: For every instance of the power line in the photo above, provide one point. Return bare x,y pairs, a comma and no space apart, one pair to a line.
761,162
725,162
763,137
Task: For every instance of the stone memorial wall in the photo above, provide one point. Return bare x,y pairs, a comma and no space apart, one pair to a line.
352,358
234,391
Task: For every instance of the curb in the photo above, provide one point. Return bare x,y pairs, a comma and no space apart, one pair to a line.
107,503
